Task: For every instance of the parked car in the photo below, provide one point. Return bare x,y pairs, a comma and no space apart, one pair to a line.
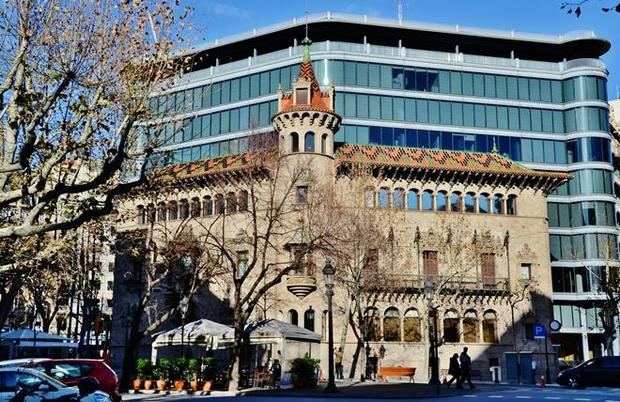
597,372
40,387
20,362
70,371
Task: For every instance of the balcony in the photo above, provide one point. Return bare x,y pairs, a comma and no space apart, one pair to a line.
470,285
300,284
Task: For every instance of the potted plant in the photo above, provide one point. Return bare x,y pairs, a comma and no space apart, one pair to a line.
304,372
144,370
209,366
180,369
162,372
194,373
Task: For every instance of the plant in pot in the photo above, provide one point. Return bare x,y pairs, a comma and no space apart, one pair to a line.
144,372
194,373
209,367
162,373
304,370
180,370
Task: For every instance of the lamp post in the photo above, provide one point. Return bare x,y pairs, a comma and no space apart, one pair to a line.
37,327
429,289
184,305
328,272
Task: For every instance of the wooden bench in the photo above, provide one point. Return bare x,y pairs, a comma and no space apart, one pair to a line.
385,372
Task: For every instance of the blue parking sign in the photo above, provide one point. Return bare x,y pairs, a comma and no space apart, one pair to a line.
540,331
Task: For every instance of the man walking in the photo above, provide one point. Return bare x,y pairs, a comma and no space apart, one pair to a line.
338,359
465,369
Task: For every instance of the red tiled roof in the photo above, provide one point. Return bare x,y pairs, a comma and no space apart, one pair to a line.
209,166
427,159
317,101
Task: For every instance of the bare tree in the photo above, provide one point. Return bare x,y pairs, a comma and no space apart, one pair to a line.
74,83
576,7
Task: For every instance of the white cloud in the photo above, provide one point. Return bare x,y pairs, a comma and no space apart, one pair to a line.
227,10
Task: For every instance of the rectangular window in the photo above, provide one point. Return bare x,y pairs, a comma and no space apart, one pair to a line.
362,74
302,194
457,114
386,76
468,115
429,261
526,271
455,83
500,85
362,106
410,110
254,86
433,112
349,104
536,120
534,89
489,86
479,116
487,262
386,108
524,116
243,258
468,84
374,106
445,110
524,90
502,117
478,85
225,92
398,78
422,111
545,90
374,76
399,109
513,118
547,119
513,91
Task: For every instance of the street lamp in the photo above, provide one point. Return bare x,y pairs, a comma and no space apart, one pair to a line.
184,305
433,359
328,272
37,327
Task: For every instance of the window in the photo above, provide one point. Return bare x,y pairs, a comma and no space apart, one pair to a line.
293,317
483,203
243,200
219,204
231,203
162,212
455,202
391,325
173,211
441,201
372,324
427,200
242,262
324,144
412,199
511,205
195,208
372,260
489,327
412,326
398,198
151,213
487,260
498,204
526,271
470,202
183,209
207,206
429,260
470,327
309,142
302,194
369,197
451,326
384,198
294,142
141,214
309,319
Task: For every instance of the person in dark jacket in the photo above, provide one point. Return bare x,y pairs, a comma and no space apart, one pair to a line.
465,369
454,369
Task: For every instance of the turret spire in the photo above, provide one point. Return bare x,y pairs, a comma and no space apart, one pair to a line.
306,42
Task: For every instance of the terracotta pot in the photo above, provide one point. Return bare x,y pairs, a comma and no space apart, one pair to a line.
148,384
162,385
179,385
206,387
195,385
137,384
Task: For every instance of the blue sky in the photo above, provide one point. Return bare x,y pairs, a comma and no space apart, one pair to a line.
219,18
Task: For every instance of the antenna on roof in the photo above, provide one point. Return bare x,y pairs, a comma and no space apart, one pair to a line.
399,11
306,12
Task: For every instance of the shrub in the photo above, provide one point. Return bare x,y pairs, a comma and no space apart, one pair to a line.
304,369
193,368
163,368
144,369
209,366
180,368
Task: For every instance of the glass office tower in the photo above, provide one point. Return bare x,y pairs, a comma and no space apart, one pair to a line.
541,100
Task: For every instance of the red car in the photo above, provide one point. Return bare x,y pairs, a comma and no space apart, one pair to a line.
70,371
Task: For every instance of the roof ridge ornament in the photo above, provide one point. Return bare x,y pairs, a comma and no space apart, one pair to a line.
306,43
494,149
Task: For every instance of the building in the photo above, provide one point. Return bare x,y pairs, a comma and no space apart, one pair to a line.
468,227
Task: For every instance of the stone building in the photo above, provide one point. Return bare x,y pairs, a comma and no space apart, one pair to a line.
469,227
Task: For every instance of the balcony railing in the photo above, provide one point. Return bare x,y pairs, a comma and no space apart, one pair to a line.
442,283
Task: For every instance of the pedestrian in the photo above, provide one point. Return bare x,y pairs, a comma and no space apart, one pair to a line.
465,369
534,367
454,370
338,355
276,373
374,364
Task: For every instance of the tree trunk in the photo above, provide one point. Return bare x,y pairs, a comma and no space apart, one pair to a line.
6,302
131,353
234,373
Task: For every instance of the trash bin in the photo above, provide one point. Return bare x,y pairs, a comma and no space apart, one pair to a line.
496,373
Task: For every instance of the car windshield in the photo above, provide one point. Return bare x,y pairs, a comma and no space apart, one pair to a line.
52,381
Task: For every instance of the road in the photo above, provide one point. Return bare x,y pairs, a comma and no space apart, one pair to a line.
488,394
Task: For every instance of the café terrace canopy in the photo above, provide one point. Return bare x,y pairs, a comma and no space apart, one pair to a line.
25,338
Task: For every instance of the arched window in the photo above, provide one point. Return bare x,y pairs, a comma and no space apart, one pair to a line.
455,202
369,197
470,202
219,204
207,206
398,198
162,212
183,209
498,204
173,211
412,326
309,142
442,201
412,200
231,203
489,327
292,317
511,205
309,319
151,213
451,326
483,203
372,324
384,199
195,207
243,200
427,200
324,144
470,327
294,142
391,325
141,214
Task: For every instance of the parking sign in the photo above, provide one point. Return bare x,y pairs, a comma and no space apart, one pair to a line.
539,331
